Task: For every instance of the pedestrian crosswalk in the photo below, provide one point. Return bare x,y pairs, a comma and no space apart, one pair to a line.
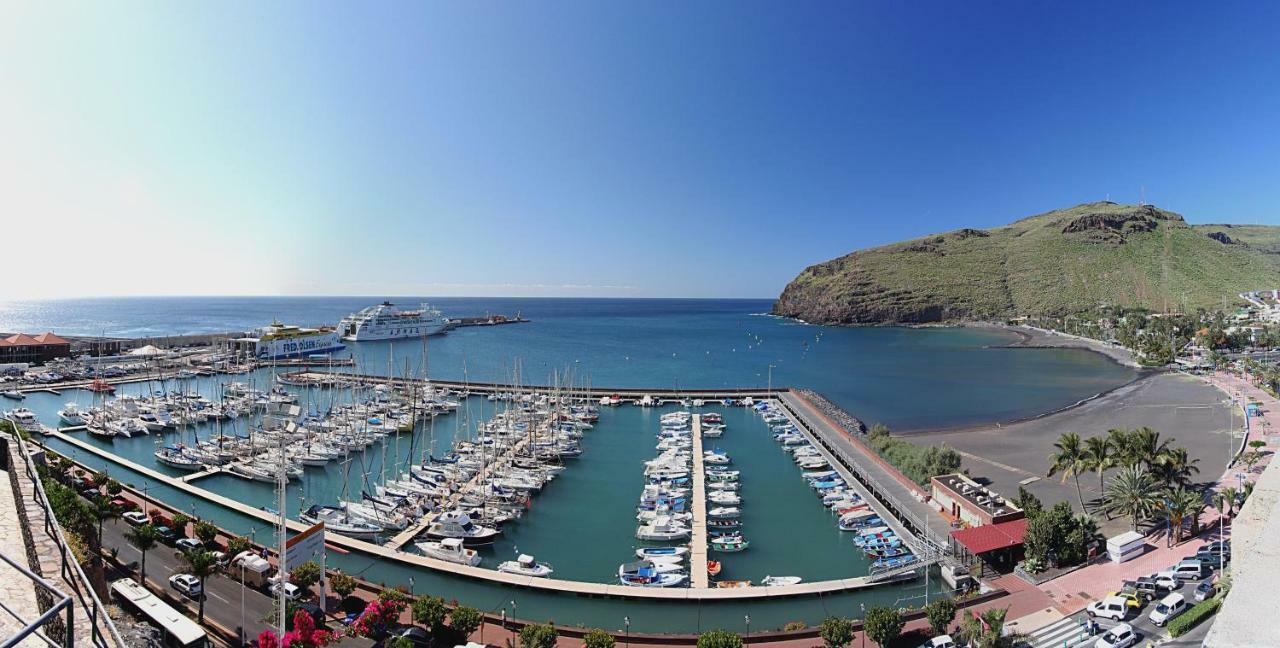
1066,631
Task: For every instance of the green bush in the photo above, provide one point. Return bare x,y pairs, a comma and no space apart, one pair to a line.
1192,618
919,463
719,639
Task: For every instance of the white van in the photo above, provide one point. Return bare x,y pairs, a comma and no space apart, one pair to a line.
1169,607
1115,608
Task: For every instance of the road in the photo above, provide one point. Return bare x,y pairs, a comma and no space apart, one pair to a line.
1068,632
223,602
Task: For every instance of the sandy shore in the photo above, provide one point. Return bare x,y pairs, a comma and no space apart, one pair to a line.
1031,337
1187,410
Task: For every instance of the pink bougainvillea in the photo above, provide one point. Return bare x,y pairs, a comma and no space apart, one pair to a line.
303,635
377,618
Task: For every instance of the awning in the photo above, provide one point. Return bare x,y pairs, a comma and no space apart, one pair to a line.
989,537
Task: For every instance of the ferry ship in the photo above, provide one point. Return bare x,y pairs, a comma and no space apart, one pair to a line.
386,322
278,341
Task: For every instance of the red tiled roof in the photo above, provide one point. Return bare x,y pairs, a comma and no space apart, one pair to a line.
21,339
49,338
989,537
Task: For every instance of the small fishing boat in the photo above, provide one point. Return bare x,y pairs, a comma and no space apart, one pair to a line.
14,394
733,584
723,498
655,552
729,544
526,566
713,567
175,456
771,581
724,512
647,574
72,415
662,529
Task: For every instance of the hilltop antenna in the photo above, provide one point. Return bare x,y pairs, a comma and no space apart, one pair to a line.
1142,196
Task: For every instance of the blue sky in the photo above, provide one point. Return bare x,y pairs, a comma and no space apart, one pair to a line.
596,148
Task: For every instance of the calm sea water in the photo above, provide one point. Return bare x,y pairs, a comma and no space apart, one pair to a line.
909,379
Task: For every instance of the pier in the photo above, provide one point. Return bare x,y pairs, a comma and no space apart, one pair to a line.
698,576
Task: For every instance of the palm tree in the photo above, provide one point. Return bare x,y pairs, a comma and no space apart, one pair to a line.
986,630
1098,456
1121,442
202,565
1132,492
1148,447
1070,460
1176,467
1225,501
143,537
1178,506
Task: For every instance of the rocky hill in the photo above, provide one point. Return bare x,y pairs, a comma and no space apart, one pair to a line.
1060,262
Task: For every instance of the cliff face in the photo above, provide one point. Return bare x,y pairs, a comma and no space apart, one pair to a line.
1060,262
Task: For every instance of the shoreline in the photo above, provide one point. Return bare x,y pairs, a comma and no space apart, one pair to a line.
1031,337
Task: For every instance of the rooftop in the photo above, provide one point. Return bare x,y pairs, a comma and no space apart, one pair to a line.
977,495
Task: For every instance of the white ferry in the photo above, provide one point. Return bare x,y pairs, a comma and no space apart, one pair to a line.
279,341
386,322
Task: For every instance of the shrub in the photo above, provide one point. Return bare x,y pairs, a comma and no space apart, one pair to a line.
883,625
719,639
430,611
538,636
836,632
919,463
206,532
598,639
305,575
940,612
1192,618
465,620
793,626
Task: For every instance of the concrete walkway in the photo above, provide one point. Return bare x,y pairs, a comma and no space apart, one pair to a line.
17,591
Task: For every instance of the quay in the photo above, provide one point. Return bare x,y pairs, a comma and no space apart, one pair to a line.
581,588
698,575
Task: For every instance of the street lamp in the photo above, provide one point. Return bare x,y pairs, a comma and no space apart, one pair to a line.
863,608
747,618
626,622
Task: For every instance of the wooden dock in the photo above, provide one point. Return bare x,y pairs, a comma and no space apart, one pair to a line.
201,475
698,576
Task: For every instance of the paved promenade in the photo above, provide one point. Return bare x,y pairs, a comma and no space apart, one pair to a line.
17,592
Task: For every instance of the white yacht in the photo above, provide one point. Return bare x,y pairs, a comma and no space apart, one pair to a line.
450,550
72,415
525,565
386,322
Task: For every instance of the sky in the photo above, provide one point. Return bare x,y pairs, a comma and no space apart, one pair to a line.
643,149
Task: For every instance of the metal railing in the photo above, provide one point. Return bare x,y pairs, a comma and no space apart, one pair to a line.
70,567
33,628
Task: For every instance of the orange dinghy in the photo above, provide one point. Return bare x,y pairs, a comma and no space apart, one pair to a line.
713,567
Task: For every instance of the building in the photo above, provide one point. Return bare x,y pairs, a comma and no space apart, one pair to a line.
964,500
22,348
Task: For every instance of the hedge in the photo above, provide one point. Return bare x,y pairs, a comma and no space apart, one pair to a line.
1192,618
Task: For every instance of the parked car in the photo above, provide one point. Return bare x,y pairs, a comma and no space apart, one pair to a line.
1145,587
188,545
1168,607
1166,581
1214,557
291,591
1132,598
135,518
417,637
1205,590
941,641
187,584
166,535
1189,570
1213,546
1121,636
1112,607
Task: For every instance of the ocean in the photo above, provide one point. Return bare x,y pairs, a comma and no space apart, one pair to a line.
907,378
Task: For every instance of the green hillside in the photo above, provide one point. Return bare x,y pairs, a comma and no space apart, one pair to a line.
1060,262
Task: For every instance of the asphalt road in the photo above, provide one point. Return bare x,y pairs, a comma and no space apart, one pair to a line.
223,595
1067,633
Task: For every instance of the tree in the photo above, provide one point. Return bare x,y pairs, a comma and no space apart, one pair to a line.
537,635
986,630
1070,460
1147,447
101,510
1225,501
1122,450
1179,505
1097,456
206,532
1133,493
1028,502
598,639
1176,468
836,632
940,612
145,538
430,611
719,639
202,565
465,620
883,625
305,576
237,545
1251,459
343,585
377,618
114,488
180,522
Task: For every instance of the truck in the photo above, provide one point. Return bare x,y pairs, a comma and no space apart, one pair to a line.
252,568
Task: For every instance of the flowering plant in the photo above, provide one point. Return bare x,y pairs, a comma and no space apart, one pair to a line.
377,618
303,635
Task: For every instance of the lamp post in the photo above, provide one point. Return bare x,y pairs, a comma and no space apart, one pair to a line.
863,608
626,622
747,618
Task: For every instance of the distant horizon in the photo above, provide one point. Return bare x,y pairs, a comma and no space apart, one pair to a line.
386,297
